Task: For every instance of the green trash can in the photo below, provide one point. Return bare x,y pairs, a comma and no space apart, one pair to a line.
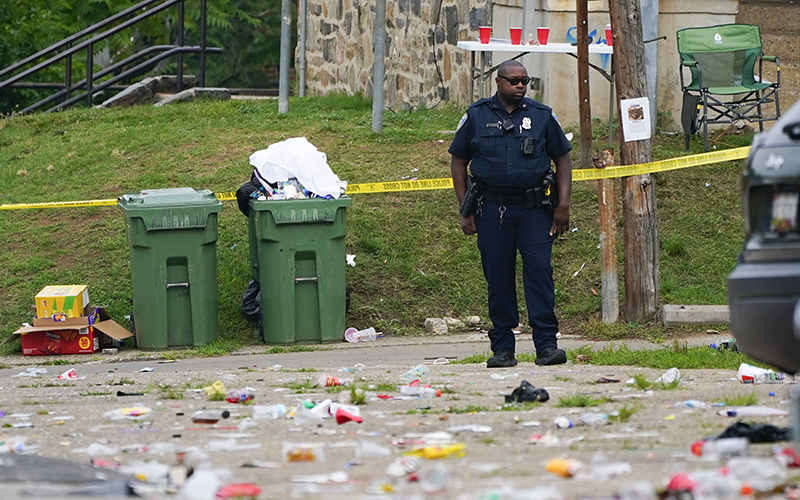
172,235
297,255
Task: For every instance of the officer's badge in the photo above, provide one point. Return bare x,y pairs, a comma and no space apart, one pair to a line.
461,122
526,123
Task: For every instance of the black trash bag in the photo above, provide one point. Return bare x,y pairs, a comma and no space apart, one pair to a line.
251,306
244,192
526,393
757,433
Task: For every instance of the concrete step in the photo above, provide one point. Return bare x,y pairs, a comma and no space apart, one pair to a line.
777,18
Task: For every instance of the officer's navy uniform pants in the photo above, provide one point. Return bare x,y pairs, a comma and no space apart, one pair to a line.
526,230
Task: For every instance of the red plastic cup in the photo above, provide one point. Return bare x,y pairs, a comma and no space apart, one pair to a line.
608,35
516,35
542,33
486,32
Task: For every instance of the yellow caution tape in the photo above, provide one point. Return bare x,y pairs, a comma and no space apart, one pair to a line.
583,174
588,174
59,204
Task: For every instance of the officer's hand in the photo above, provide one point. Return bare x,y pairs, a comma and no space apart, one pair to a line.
468,225
560,220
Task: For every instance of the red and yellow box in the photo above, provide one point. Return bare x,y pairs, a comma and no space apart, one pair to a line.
77,341
83,335
62,301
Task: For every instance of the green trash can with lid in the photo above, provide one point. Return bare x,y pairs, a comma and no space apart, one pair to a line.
297,255
172,235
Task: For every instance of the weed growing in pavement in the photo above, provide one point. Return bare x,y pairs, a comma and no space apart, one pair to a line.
357,396
468,409
677,355
486,440
669,386
623,414
167,391
741,400
96,393
304,370
641,382
474,359
216,396
562,378
55,362
447,390
122,381
304,385
580,401
525,406
388,387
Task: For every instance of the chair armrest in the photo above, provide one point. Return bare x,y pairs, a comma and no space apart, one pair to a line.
689,63
770,58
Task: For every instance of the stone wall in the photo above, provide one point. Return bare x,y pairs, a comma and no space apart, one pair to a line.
423,65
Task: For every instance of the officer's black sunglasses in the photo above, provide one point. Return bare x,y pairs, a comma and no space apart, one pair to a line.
515,81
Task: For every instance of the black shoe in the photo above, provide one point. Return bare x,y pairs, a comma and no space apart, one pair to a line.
503,358
551,356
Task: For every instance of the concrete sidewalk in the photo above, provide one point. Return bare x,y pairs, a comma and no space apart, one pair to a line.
393,350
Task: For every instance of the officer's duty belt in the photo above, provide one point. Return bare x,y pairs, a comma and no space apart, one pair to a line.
504,199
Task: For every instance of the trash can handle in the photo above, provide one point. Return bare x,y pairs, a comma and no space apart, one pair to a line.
313,278
176,285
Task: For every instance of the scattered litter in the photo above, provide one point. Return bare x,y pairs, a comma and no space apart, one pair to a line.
70,374
351,260
31,372
500,376
303,452
752,411
145,369
130,413
582,265
121,394
690,403
669,376
231,445
749,374
469,427
238,490
604,380
333,477
530,423
433,452
563,467
526,393
419,372
215,390
757,433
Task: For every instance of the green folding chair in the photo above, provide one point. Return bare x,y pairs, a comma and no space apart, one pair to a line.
724,85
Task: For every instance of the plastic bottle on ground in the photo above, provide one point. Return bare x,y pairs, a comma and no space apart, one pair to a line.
419,372
593,419
238,396
721,448
274,412
209,416
762,474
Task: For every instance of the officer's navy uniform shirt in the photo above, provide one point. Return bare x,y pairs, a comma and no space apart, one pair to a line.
496,155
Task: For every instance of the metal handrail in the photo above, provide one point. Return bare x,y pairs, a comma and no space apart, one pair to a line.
88,83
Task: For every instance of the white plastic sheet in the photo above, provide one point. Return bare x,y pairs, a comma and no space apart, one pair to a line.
296,157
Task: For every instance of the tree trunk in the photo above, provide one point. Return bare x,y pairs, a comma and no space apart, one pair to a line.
642,267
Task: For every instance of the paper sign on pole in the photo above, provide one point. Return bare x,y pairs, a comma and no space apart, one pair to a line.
635,116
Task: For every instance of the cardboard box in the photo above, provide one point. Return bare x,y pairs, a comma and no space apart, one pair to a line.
62,301
83,335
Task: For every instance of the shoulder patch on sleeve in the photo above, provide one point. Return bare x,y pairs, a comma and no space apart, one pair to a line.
555,117
461,122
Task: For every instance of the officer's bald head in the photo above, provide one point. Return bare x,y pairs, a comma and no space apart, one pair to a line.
507,66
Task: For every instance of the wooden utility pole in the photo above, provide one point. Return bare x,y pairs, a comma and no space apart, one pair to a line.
584,106
642,263
607,215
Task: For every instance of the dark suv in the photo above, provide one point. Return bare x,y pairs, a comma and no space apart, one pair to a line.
764,289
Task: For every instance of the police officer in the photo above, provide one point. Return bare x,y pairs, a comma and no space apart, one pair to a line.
510,141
